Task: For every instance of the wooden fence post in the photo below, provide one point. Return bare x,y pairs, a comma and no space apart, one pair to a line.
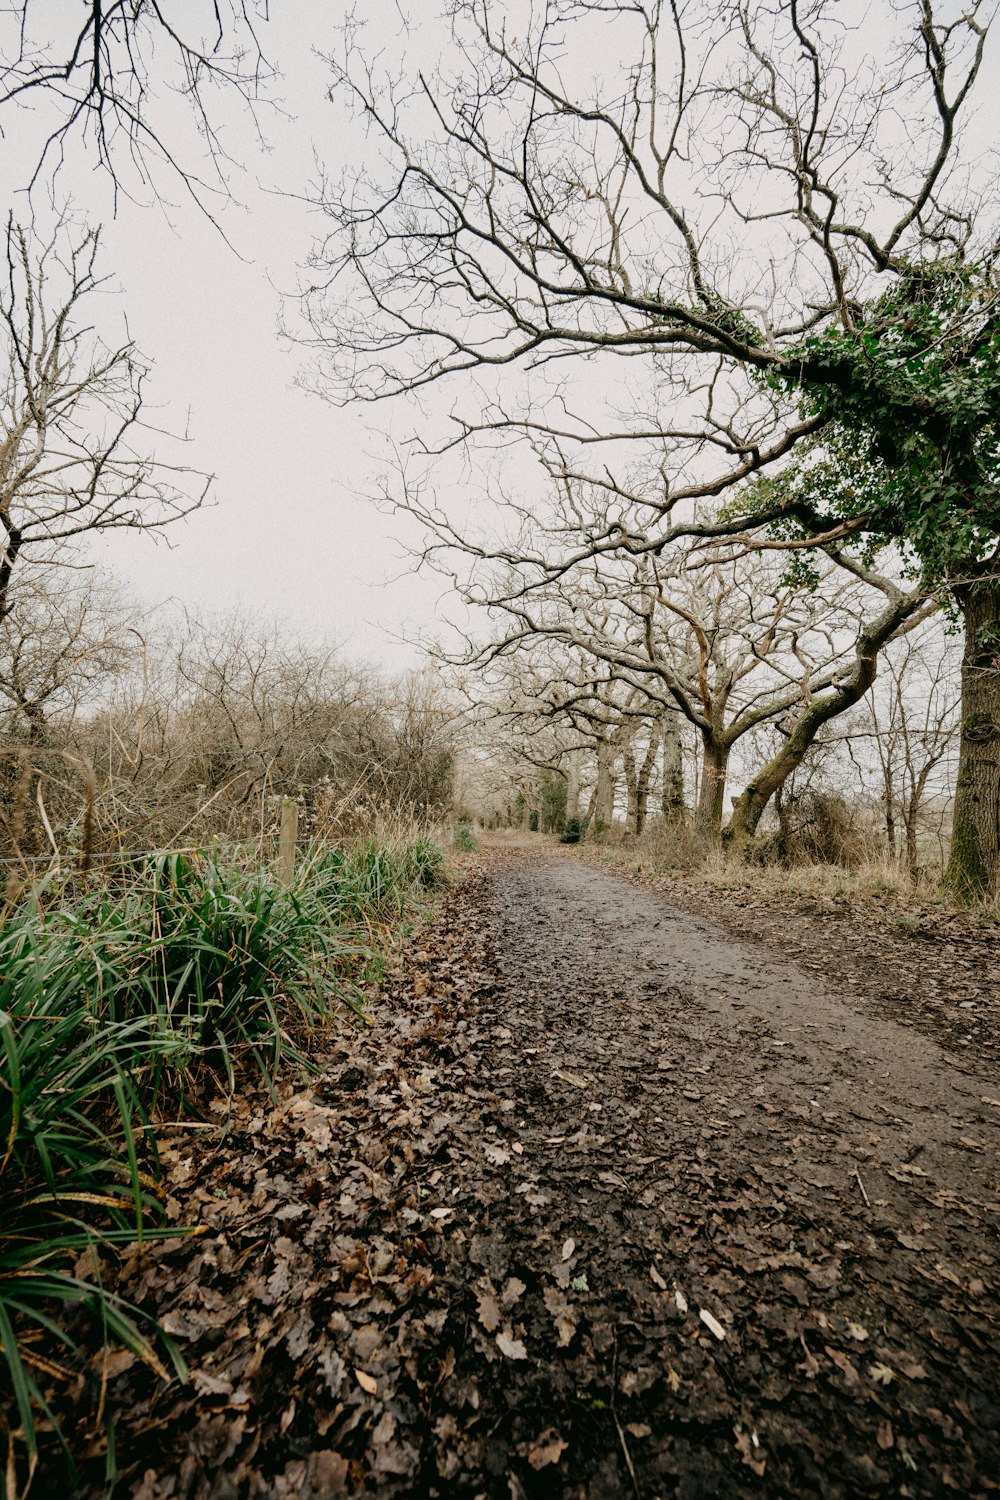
286,844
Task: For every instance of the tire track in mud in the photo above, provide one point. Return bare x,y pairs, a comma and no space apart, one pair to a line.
718,1133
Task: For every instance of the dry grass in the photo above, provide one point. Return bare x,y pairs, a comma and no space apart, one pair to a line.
675,852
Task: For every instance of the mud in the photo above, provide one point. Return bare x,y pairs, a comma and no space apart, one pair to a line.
607,1203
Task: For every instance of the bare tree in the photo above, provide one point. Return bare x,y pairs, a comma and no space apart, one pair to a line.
729,243
912,730
60,649
98,72
728,642
71,409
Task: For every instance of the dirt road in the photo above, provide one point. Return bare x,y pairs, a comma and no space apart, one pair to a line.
608,1204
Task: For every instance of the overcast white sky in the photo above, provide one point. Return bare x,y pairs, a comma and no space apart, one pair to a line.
289,533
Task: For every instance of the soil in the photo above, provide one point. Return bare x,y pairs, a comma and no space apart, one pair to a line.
920,964
609,1201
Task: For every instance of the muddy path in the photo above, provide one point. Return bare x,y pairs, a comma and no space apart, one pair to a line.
608,1203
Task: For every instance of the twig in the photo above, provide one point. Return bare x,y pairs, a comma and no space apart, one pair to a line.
868,1201
621,1434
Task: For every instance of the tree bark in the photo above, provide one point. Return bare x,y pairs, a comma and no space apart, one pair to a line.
890,814
672,794
572,786
632,790
643,779
974,858
910,835
712,797
603,801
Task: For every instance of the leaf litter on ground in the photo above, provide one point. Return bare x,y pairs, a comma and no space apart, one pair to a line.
371,1308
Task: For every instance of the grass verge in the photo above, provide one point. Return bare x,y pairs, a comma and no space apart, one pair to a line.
121,1006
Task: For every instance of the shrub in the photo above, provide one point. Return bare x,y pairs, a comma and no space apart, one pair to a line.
573,831
823,828
465,839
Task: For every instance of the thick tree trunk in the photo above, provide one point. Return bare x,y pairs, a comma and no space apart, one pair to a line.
712,796
748,809
603,801
974,858
672,794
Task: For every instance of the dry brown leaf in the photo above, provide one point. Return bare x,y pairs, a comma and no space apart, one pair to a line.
514,1289
513,1348
366,1382
843,1364
547,1449
489,1311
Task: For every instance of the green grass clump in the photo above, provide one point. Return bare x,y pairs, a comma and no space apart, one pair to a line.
465,839
116,1005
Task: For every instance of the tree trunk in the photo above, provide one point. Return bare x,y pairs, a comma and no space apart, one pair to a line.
632,791
572,786
604,792
974,857
643,779
672,794
910,834
890,814
712,798
749,807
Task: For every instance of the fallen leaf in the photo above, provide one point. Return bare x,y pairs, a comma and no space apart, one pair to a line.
882,1374
489,1311
498,1155
513,1348
843,1364
568,1248
547,1449
366,1382
657,1279
681,1301
884,1436
514,1289
563,1315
